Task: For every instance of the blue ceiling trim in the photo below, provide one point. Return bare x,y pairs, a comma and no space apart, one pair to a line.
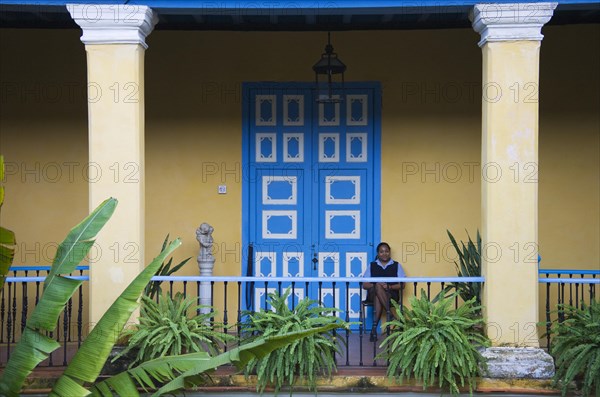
280,15
349,5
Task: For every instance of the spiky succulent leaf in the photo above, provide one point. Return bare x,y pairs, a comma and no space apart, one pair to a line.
153,288
468,265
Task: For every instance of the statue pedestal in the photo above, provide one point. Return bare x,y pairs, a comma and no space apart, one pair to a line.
206,263
206,269
518,362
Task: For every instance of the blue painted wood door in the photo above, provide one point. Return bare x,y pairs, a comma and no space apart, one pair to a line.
311,187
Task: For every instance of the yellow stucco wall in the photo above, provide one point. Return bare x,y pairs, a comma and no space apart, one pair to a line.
569,215
431,136
418,129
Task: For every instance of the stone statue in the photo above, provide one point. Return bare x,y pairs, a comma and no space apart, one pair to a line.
206,263
204,237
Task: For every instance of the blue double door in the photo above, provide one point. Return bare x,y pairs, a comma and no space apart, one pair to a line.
311,189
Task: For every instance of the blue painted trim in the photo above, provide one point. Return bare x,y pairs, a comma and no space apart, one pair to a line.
320,279
246,87
565,271
40,279
41,268
250,5
377,118
569,280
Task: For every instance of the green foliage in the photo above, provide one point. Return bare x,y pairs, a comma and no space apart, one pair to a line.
304,358
470,266
165,329
433,340
7,237
184,371
1,179
35,346
576,348
92,354
177,371
153,288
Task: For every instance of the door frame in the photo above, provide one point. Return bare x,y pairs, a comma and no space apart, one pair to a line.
246,155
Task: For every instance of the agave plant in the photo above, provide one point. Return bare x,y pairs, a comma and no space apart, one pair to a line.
7,237
432,340
469,266
304,358
576,348
165,328
165,269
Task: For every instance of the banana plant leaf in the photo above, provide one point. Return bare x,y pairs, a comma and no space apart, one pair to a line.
7,237
91,356
7,253
181,371
35,346
1,179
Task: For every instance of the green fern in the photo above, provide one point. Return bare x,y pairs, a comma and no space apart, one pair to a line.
301,360
181,372
433,340
576,348
166,330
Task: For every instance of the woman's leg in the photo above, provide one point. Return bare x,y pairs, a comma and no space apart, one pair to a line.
381,302
383,298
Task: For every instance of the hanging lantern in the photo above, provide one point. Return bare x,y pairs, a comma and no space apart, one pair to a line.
329,73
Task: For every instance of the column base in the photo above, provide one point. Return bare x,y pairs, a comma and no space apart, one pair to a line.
518,362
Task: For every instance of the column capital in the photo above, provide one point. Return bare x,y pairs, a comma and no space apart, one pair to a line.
113,23
510,21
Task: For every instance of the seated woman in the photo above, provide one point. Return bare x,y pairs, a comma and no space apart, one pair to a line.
383,266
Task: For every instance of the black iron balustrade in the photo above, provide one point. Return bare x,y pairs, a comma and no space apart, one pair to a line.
23,289
359,351
21,294
566,287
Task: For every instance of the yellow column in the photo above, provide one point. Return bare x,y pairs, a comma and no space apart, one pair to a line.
114,38
510,42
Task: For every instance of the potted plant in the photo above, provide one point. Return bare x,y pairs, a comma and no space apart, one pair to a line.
432,340
576,348
166,328
303,358
82,372
122,356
